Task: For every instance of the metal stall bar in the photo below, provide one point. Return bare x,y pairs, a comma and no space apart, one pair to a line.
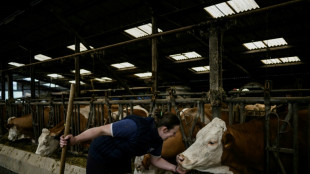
173,103
231,113
308,138
295,138
2,115
266,130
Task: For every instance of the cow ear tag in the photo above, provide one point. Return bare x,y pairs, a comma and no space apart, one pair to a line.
227,140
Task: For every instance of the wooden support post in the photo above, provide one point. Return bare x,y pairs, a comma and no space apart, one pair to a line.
77,68
215,63
154,56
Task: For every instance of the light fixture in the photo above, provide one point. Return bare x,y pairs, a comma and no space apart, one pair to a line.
201,69
82,47
123,66
144,75
41,57
16,64
83,72
29,79
52,85
55,76
185,56
104,79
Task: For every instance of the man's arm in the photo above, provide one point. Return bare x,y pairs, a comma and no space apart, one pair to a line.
163,164
87,135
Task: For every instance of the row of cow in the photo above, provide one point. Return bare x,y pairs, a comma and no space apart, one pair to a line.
238,148
218,147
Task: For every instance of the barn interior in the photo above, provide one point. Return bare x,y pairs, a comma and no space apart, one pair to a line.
259,41
120,48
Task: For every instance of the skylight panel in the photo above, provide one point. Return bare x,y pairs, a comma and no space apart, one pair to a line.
73,82
191,55
250,46
243,5
135,32
83,72
236,6
201,69
290,59
266,43
142,30
82,47
123,66
275,42
146,28
251,4
56,76
185,56
16,64
225,9
259,44
214,11
104,79
178,57
230,7
271,61
144,75
41,57
282,60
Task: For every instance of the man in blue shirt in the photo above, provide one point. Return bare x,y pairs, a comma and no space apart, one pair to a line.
114,145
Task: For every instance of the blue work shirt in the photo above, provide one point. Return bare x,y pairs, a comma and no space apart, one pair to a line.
132,136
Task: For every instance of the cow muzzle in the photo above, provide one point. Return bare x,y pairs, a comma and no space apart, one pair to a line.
183,162
180,158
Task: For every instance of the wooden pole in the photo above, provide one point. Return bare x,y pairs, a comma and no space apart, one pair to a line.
67,127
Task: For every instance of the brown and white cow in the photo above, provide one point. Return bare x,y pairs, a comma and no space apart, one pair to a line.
21,127
257,109
174,145
137,110
48,143
240,148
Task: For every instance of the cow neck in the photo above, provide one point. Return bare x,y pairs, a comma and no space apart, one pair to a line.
247,148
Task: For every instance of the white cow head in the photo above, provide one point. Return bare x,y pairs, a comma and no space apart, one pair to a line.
13,134
143,166
47,143
139,168
205,153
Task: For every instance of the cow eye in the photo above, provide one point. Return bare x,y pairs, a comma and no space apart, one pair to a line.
211,142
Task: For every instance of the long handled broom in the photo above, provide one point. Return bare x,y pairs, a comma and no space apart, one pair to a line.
67,128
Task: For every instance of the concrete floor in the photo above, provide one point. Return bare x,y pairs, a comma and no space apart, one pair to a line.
23,162
6,171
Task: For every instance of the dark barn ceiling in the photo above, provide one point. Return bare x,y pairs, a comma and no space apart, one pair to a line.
31,27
